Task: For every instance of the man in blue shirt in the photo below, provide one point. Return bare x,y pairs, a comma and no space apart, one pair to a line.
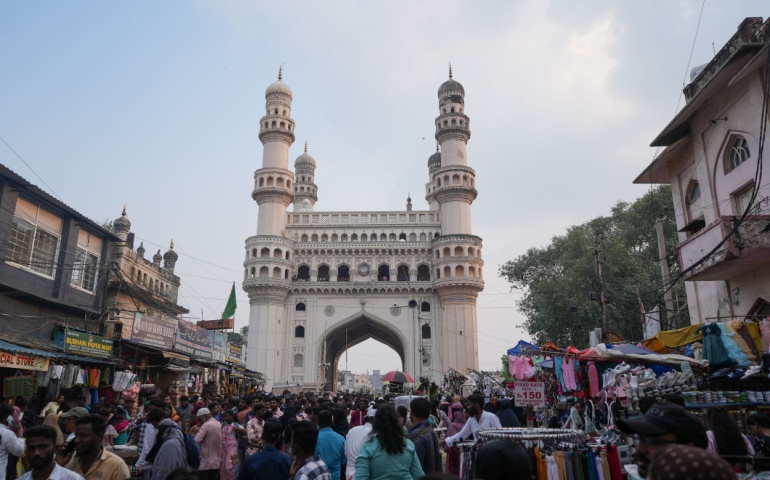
268,464
330,446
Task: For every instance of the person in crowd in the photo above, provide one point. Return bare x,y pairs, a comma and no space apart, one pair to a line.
120,424
502,460
403,419
443,414
724,436
388,455
169,452
80,401
11,443
269,463
52,420
341,424
453,452
424,438
274,408
477,419
154,418
307,465
51,406
254,430
330,445
684,462
169,412
69,420
355,438
209,438
358,416
40,453
508,418
185,411
759,426
91,459
664,424
243,411
230,429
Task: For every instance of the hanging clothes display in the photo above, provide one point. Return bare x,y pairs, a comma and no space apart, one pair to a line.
753,328
713,348
739,327
733,351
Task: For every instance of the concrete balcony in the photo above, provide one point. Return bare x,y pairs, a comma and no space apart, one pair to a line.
746,250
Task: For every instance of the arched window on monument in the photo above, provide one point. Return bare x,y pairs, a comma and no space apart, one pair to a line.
425,307
383,273
423,273
300,307
299,361
323,273
299,331
426,332
343,273
303,273
402,273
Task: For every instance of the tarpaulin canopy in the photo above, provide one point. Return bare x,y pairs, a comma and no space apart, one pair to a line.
601,352
522,347
674,338
630,349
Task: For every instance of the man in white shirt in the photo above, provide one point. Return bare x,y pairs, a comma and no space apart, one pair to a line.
355,438
478,419
41,449
9,439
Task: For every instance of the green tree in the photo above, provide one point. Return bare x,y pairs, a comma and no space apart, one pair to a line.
245,331
555,280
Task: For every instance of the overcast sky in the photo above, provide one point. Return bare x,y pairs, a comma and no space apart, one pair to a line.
157,104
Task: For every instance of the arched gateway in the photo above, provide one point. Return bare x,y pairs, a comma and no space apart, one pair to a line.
320,282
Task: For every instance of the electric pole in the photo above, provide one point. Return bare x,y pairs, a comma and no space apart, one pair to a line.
598,240
668,294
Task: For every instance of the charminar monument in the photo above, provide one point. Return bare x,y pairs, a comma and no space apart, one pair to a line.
320,282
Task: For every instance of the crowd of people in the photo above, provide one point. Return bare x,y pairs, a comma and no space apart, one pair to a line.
322,437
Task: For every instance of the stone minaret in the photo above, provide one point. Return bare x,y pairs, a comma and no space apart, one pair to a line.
434,163
267,266
305,189
456,253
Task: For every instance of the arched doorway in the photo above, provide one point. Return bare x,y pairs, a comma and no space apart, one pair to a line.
352,331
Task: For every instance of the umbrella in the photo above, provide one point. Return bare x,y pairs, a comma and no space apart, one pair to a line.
397,377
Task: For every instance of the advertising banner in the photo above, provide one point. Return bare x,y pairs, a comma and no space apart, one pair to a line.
194,341
81,343
234,353
220,346
23,361
530,393
153,332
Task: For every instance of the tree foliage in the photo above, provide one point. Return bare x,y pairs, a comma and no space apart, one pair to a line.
555,280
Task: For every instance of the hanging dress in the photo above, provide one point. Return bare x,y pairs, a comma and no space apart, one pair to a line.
713,348
732,348
742,338
764,329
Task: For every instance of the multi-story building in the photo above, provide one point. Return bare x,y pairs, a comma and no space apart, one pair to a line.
714,161
321,282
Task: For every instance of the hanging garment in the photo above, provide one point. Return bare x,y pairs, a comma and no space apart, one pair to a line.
753,329
512,360
553,469
557,368
616,472
732,348
605,466
713,348
568,465
739,326
568,371
542,469
577,467
599,469
764,329
593,378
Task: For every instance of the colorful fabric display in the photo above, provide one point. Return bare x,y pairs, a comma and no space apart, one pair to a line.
732,349
713,348
764,328
753,329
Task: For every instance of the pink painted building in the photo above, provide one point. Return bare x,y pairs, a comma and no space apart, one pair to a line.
721,180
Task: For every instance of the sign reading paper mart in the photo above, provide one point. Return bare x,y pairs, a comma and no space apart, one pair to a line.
529,393
81,343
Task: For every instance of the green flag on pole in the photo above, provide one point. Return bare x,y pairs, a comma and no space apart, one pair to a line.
230,307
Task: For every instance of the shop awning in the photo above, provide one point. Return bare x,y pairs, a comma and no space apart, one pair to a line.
12,347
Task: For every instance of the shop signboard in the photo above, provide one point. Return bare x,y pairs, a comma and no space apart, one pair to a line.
23,361
82,343
194,341
530,393
153,332
220,346
234,353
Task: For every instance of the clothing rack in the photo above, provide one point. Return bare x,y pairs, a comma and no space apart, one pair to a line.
574,436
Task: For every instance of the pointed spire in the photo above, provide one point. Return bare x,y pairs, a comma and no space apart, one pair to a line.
305,146
172,244
280,73
124,211
450,69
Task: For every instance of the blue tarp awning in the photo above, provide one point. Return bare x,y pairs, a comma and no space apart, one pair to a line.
630,349
522,345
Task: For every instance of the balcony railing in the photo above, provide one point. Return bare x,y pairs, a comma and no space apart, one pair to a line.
745,250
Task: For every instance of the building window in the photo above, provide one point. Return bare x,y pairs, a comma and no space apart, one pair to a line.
426,332
742,199
693,193
299,332
298,361
425,307
84,270
739,153
300,307
32,247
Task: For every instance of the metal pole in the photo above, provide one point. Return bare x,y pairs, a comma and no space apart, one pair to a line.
598,239
668,294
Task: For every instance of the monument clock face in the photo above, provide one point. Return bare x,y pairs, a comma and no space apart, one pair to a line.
363,270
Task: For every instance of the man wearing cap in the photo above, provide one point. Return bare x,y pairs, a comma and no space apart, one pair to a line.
664,424
209,437
68,421
353,441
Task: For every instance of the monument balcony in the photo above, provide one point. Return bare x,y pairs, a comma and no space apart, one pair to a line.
260,240
743,251
266,282
273,194
465,282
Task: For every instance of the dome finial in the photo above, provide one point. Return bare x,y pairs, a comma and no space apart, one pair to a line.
305,146
124,211
280,72
172,244
450,69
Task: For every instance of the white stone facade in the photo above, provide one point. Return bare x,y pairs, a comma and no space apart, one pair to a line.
320,282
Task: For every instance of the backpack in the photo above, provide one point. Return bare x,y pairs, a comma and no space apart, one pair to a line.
192,451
